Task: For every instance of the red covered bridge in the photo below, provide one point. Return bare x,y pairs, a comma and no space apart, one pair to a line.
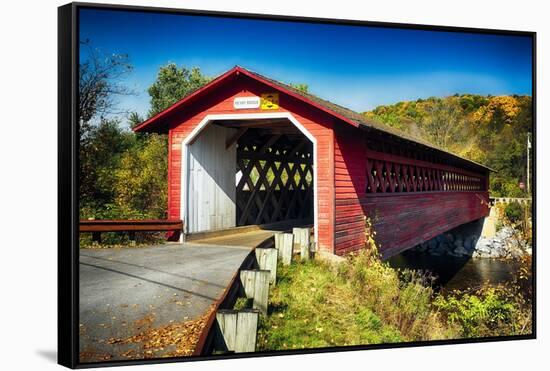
245,149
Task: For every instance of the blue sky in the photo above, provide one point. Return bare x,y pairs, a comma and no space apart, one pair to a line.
355,66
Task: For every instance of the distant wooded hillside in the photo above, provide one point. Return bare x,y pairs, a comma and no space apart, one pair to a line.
491,130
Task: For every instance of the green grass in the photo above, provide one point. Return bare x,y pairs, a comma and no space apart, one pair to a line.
364,301
310,310
316,305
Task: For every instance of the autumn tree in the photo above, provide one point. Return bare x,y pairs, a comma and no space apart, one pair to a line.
140,179
444,123
491,130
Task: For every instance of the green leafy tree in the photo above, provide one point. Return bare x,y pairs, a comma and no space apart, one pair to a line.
134,119
105,142
140,182
172,84
304,88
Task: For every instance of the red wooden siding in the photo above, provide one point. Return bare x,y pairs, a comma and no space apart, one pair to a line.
408,200
405,220
349,189
319,124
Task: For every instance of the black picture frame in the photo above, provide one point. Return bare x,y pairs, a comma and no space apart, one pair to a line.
68,211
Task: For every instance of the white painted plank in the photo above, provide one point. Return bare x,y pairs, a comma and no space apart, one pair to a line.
212,181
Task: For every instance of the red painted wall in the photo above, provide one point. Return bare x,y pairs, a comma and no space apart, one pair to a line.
220,101
400,220
349,188
406,220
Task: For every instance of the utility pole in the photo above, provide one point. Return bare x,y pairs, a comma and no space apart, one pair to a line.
528,148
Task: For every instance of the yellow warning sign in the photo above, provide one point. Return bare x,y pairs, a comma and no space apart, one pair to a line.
270,101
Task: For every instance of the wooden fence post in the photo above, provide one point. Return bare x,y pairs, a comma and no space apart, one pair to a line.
297,233
132,237
287,248
302,241
267,260
279,242
238,329
256,287
248,280
247,328
96,238
227,322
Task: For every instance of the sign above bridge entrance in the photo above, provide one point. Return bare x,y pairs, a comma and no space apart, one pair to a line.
246,102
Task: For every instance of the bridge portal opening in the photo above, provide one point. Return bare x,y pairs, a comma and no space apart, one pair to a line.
243,172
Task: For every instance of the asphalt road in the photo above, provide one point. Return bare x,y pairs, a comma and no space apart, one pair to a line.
125,291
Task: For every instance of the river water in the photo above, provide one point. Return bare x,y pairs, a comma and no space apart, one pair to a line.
454,273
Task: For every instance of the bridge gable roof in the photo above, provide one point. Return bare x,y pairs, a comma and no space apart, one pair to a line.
158,124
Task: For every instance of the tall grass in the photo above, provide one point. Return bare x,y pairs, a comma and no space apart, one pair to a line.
364,301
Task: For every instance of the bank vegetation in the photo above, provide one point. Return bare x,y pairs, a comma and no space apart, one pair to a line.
363,300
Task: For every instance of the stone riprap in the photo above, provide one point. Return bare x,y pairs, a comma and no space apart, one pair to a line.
466,240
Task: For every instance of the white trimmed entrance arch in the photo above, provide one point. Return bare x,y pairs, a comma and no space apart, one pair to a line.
187,141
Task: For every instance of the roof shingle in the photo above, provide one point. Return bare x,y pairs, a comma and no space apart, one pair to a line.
352,117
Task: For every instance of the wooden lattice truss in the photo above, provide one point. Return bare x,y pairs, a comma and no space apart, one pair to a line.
275,177
400,168
389,176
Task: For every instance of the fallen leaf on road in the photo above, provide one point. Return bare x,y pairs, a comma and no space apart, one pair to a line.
153,341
